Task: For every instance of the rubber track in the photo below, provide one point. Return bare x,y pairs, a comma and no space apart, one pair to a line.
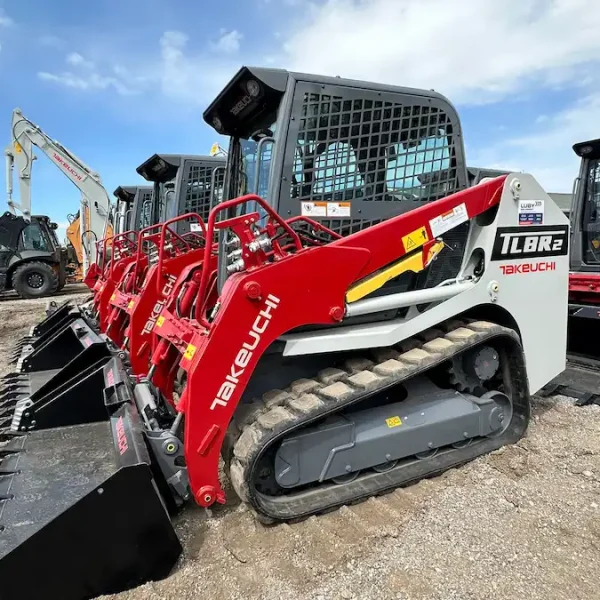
258,425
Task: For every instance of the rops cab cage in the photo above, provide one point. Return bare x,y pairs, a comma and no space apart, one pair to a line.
347,153
183,184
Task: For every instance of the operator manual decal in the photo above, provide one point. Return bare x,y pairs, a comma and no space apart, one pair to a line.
536,242
449,220
531,212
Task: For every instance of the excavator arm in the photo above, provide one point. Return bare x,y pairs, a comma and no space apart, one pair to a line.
95,201
19,154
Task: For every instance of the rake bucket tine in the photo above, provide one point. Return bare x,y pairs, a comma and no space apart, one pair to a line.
7,411
9,402
10,389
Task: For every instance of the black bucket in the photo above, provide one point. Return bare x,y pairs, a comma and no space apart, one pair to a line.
57,316
80,512
61,394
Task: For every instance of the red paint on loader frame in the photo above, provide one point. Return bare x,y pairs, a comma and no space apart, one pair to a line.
308,291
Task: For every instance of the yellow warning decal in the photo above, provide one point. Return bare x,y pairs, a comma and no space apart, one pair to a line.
393,422
189,352
160,321
131,304
415,239
113,296
18,148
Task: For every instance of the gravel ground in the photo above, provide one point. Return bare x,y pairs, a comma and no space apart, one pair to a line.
523,522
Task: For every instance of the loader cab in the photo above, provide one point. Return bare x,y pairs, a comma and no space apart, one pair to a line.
347,153
125,196
585,210
183,184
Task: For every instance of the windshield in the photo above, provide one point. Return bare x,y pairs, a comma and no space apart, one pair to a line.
32,238
242,165
591,214
54,237
168,200
251,152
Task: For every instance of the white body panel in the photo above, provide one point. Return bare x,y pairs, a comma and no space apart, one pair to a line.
536,301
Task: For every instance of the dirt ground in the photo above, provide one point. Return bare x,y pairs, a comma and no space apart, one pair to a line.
523,522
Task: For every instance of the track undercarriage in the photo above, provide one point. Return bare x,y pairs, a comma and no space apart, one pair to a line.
491,410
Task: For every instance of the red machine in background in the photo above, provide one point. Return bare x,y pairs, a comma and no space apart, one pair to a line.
581,379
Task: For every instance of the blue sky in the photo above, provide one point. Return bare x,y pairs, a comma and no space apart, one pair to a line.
117,80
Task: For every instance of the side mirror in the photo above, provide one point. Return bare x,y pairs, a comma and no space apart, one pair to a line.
53,226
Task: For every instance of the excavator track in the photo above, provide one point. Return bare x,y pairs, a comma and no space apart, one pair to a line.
259,426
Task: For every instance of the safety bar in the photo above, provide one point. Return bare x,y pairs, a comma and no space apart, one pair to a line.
117,243
163,237
140,249
212,217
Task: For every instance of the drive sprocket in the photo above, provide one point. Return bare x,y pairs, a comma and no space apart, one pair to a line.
469,371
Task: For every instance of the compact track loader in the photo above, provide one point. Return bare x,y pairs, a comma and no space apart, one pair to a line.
345,337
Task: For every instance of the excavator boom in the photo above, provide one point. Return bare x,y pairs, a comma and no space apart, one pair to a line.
95,202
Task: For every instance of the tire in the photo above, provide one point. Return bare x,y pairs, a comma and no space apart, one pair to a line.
35,279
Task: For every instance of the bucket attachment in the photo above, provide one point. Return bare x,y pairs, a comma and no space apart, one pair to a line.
80,512
54,396
56,318
58,347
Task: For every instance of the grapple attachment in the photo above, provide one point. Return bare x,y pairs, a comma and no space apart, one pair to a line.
80,512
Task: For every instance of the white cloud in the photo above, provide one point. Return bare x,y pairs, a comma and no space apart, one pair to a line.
228,42
87,82
5,20
188,78
76,60
470,50
546,151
